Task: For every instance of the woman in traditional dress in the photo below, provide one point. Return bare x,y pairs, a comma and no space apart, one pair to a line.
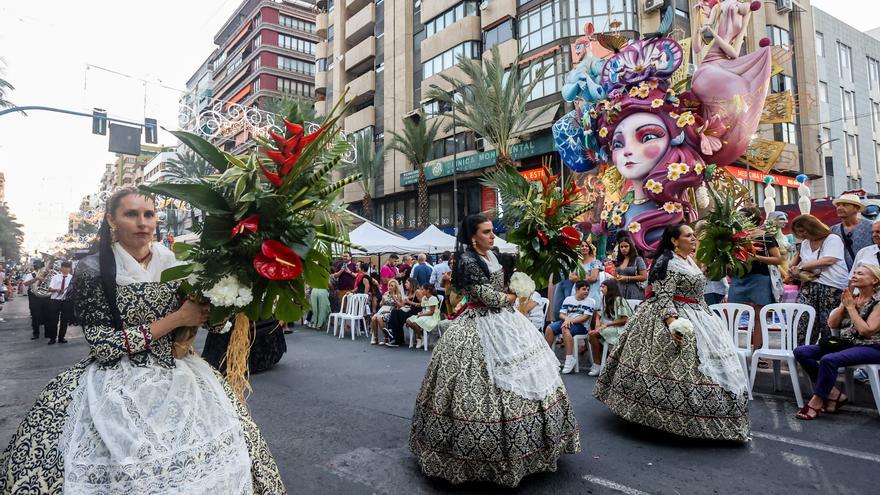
132,418
674,367
492,406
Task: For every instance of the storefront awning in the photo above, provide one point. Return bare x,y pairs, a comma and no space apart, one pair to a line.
537,119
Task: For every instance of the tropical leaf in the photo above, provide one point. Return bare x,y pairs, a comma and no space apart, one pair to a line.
203,148
201,196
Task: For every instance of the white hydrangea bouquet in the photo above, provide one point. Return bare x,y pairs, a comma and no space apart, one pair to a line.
521,284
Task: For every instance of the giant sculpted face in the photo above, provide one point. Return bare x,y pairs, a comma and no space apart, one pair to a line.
639,142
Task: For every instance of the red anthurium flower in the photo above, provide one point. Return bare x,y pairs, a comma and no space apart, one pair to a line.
739,235
741,254
571,237
273,178
251,223
278,262
543,237
289,149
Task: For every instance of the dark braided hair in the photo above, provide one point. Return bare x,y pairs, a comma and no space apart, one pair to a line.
464,249
665,252
106,258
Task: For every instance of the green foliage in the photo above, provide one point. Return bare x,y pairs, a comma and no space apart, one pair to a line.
11,235
187,168
491,98
417,145
725,245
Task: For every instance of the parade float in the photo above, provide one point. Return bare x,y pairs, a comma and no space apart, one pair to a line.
659,138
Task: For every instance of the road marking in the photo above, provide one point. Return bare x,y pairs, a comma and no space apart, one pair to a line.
819,446
614,486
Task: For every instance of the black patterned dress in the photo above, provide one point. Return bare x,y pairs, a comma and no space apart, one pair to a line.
157,448
471,424
694,390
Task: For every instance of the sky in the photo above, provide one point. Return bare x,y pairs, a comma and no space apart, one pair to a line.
51,160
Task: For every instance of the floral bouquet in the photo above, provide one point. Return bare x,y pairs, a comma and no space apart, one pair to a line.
726,241
539,218
271,221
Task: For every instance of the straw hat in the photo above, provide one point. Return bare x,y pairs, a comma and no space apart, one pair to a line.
849,199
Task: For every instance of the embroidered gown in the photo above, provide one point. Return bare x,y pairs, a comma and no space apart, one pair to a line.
492,406
132,419
697,390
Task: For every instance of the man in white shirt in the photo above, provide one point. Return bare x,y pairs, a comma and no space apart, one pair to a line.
60,306
869,255
439,270
574,317
39,306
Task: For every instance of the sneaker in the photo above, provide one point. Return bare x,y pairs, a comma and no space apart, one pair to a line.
594,370
860,376
374,341
391,343
418,343
51,342
62,341
570,363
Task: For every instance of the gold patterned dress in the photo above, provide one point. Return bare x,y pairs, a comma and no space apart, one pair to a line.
697,389
492,406
132,419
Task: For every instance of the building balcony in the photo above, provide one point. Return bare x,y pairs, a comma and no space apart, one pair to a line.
361,119
434,8
321,80
323,49
508,51
360,58
360,26
321,23
321,107
453,72
362,88
497,10
356,5
466,29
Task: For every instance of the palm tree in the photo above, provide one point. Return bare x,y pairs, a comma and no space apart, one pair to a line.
187,168
4,86
369,165
292,108
491,99
11,235
417,145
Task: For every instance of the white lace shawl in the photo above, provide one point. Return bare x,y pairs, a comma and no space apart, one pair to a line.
129,271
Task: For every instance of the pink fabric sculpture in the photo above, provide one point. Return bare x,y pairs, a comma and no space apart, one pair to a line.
731,87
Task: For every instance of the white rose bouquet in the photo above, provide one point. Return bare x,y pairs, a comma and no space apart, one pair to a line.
521,284
682,327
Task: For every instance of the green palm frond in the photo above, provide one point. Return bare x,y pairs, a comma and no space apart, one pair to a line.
369,162
491,98
417,141
187,168
292,109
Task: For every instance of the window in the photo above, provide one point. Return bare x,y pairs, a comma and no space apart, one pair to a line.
331,32
447,59
778,36
434,108
852,154
844,62
540,26
498,34
464,9
602,12
548,83
295,87
296,65
463,141
826,138
295,23
781,83
291,43
873,73
331,4
848,103
820,44
785,132
823,91
875,116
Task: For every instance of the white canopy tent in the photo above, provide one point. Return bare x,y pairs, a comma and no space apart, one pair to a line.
374,240
504,246
436,240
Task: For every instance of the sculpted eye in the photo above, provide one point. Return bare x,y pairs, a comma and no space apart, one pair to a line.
616,145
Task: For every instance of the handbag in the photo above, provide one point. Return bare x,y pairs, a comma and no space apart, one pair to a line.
835,344
777,286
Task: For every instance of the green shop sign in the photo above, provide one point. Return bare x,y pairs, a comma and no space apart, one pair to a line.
436,170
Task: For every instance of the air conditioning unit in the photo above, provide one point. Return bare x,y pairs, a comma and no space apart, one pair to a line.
652,5
484,4
480,144
784,6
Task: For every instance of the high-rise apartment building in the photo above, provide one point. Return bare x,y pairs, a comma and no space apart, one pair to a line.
265,50
154,170
388,53
129,169
848,63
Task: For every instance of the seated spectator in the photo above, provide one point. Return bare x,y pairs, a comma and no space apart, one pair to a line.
429,316
392,300
397,318
858,319
609,321
533,309
574,315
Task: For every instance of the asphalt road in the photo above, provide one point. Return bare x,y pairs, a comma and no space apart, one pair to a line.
336,414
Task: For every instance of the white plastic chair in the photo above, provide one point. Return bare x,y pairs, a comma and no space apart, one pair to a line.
873,371
633,304
410,336
731,314
545,308
357,306
332,319
790,315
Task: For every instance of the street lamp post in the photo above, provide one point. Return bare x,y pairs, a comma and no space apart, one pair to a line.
454,160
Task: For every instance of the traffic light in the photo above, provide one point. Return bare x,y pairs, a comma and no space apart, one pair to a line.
151,131
99,121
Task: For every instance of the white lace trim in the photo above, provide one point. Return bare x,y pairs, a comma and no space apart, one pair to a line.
718,358
153,430
518,358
